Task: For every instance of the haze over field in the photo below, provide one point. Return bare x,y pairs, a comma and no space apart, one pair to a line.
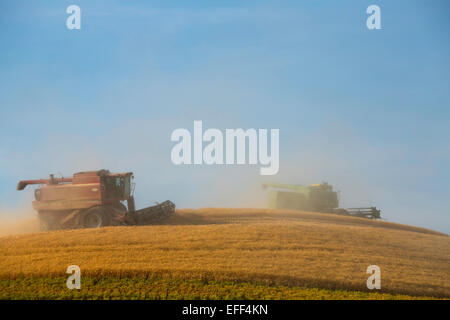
366,111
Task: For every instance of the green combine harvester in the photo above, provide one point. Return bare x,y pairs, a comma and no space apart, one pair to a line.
315,198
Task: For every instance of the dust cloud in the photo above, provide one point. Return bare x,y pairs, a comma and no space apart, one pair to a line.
365,174
18,221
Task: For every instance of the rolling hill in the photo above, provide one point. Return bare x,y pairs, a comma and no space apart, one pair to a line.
223,253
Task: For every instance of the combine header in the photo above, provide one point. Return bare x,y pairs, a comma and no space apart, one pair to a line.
91,199
316,198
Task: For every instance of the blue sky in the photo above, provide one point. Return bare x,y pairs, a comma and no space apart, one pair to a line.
367,111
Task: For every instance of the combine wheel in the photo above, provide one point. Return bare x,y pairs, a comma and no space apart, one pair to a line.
96,217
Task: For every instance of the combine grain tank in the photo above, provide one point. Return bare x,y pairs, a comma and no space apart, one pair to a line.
315,197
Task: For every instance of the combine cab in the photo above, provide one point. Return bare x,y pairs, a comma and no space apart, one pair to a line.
91,199
316,198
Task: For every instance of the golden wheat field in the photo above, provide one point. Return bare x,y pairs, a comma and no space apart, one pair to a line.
231,253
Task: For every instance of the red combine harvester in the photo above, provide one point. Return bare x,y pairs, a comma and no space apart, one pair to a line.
91,199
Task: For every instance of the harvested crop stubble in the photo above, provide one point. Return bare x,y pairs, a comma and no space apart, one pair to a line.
283,248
